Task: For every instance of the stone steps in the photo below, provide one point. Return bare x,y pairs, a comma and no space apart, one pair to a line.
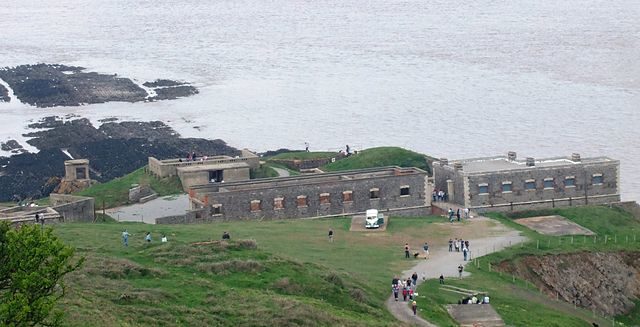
475,315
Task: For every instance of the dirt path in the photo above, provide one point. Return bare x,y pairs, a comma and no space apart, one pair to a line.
281,172
443,262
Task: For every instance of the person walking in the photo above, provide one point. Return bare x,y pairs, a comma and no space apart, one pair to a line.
465,253
125,238
395,290
450,245
407,249
330,235
414,307
458,214
441,279
466,213
425,248
450,212
148,237
460,269
414,279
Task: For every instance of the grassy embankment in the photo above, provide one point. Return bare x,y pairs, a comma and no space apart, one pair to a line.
294,277
380,157
517,301
116,192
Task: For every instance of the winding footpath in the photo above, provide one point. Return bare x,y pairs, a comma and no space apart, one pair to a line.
441,261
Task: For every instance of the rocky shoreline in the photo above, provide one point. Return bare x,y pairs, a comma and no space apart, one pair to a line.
51,85
114,149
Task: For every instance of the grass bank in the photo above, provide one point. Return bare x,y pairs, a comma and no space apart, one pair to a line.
380,157
116,192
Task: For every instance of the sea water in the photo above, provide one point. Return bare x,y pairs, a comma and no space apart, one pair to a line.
447,78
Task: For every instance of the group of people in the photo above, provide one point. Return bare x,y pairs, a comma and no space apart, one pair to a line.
407,251
473,299
439,195
458,214
147,238
460,245
407,288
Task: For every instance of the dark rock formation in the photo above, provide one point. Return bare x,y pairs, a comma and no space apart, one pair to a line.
114,149
45,85
13,146
4,94
163,83
606,282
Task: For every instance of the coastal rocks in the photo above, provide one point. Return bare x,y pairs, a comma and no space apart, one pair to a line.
114,149
4,94
12,146
50,85
604,282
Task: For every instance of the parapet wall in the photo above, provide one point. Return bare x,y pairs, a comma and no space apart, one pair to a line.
73,208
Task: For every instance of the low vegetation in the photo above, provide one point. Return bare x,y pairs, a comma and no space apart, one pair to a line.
302,155
116,192
380,157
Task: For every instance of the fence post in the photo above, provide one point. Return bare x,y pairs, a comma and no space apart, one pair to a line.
489,264
513,279
538,244
605,239
615,238
594,238
572,239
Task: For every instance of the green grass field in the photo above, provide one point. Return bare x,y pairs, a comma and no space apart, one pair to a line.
518,302
294,266
380,157
294,276
116,192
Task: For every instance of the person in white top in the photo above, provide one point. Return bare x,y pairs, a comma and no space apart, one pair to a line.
164,238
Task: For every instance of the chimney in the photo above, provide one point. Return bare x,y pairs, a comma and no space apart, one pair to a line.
531,162
444,161
511,155
575,157
457,165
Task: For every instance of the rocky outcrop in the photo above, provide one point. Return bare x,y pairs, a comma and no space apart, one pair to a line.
114,149
4,94
50,85
12,146
606,282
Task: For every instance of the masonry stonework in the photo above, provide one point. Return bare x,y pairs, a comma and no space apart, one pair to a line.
316,195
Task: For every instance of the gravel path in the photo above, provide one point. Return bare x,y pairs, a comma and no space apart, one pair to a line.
443,262
281,172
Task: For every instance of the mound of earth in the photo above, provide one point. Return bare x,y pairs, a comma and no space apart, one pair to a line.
50,85
605,282
114,149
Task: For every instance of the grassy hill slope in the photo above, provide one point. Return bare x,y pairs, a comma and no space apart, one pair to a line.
116,191
379,157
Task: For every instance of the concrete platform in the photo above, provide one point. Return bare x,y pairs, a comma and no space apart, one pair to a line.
553,225
475,315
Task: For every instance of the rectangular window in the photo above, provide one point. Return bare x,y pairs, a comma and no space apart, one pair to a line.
570,181
483,188
215,176
216,209
404,190
597,179
506,187
530,184
255,205
347,196
374,193
325,198
278,203
301,201
81,173
548,183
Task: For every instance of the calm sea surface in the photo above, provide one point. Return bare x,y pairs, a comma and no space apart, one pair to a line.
443,77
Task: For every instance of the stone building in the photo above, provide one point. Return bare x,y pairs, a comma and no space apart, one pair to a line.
77,169
205,170
504,183
392,190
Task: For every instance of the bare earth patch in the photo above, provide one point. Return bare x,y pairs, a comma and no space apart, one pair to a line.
553,225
